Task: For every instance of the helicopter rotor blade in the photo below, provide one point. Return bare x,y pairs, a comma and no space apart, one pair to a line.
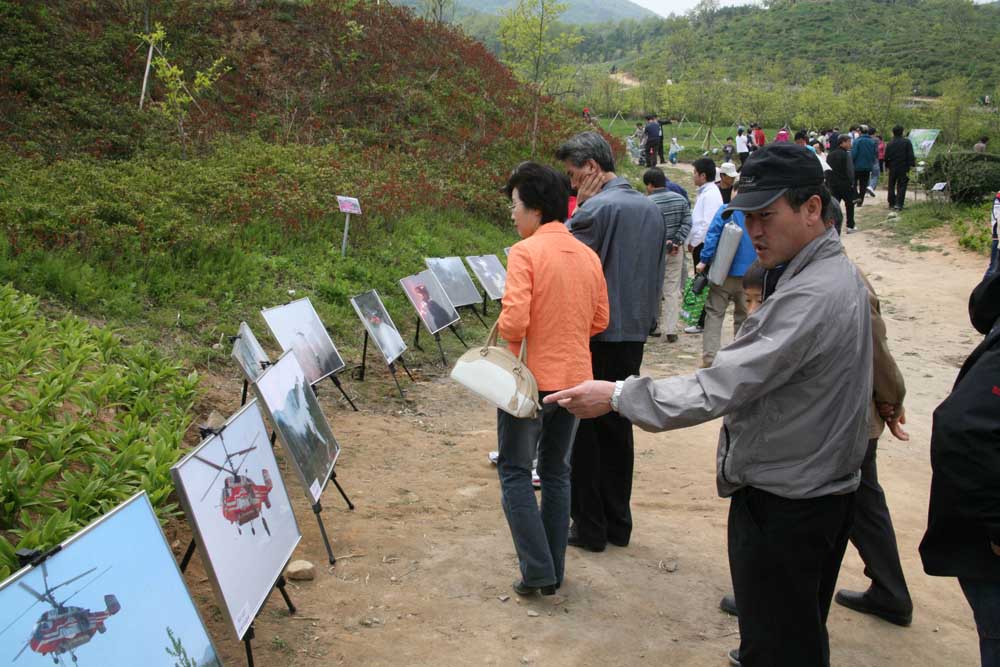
211,484
103,572
69,581
242,451
23,614
35,594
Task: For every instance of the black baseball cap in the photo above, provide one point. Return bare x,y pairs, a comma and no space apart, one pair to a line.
770,171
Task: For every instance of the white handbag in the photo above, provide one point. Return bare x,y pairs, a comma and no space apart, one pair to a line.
495,374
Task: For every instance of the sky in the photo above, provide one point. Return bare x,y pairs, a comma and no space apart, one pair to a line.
666,7
141,573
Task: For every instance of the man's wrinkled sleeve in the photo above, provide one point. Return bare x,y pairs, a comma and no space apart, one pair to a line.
750,367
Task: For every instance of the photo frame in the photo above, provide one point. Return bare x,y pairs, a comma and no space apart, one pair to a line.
248,353
455,280
288,399
111,596
297,327
379,325
430,301
235,499
490,273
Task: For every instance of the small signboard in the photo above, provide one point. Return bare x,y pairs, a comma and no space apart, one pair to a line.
939,187
923,142
349,205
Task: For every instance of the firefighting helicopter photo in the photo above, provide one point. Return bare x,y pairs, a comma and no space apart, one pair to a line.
63,629
241,497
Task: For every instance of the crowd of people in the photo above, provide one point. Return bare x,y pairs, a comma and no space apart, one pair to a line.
804,390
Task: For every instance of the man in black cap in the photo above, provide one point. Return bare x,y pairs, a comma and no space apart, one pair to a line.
794,389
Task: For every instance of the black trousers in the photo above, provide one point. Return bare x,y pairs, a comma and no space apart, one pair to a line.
659,149
603,456
784,556
847,199
654,149
861,180
898,181
873,536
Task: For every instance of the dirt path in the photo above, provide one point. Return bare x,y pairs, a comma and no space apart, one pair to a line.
431,560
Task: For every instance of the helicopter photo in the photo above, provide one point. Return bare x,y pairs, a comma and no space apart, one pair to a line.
241,497
63,629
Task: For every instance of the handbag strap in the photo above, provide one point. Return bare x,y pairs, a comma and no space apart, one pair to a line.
491,341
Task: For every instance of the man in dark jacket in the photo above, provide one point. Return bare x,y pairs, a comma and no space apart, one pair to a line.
899,159
864,153
963,524
841,178
626,231
654,141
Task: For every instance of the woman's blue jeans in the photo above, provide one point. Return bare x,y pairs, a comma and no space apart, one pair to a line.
539,534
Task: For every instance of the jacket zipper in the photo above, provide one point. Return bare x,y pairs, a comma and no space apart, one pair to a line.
725,457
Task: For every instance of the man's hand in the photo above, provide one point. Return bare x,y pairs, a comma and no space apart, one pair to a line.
589,186
690,248
894,416
674,251
586,401
700,268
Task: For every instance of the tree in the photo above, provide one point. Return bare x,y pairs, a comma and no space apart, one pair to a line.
440,11
177,651
706,97
954,108
535,48
704,12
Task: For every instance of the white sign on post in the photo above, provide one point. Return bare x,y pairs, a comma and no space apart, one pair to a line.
349,206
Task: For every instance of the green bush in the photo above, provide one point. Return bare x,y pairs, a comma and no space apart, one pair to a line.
970,176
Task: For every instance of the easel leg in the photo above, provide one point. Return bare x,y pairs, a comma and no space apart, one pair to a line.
392,369
333,478
246,386
284,593
444,359
317,508
478,316
486,301
246,642
187,555
458,336
416,335
364,360
403,364
336,381
274,436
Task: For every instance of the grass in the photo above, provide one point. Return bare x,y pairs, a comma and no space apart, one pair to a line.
689,135
968,222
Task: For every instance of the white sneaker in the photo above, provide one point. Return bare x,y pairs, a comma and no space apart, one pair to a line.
871,193
693,329
494,457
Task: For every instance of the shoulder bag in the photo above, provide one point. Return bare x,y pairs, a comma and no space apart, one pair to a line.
495,374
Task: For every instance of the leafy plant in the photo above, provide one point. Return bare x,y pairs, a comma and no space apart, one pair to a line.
970,176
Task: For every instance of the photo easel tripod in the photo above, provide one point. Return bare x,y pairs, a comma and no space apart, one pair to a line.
472,307
249,634
317,508
360,372
437,339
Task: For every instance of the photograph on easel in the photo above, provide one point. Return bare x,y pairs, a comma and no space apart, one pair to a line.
290,403
430,301
379,325
111,596
490,274
297,327
235,499
248,353
455,280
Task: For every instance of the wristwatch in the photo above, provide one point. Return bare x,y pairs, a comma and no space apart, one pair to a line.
617,394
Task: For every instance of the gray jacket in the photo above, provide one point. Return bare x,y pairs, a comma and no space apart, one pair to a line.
794,386
626,231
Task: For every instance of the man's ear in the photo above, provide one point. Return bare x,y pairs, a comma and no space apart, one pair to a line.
814,209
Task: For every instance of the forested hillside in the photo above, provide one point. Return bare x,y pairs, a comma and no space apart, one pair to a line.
577,12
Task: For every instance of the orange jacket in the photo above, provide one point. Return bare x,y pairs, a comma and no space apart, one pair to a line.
555,297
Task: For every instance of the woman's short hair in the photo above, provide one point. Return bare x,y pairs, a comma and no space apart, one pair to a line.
541,189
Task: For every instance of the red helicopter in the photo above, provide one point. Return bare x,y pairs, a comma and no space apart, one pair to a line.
241,497
64,629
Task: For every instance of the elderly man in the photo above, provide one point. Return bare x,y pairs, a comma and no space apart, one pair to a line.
676,223
626,231
794,389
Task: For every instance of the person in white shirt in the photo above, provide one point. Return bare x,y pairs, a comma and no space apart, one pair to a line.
742,147
708,202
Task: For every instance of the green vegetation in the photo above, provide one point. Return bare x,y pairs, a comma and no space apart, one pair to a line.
578,11
970,176
969,222
85,422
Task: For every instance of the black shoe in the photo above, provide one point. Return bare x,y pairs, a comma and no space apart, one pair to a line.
526,591
734,657
862,602
728,605
618,543
575,541
671,338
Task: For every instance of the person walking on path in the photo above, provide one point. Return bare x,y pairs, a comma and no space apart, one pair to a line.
730,291
899,159
864,152
556,298
742,148
806,355
626,231
708,202
676,223
963,521
654,141
841,178
879,165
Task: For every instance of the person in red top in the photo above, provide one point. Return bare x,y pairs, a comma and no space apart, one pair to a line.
759,139
555,299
